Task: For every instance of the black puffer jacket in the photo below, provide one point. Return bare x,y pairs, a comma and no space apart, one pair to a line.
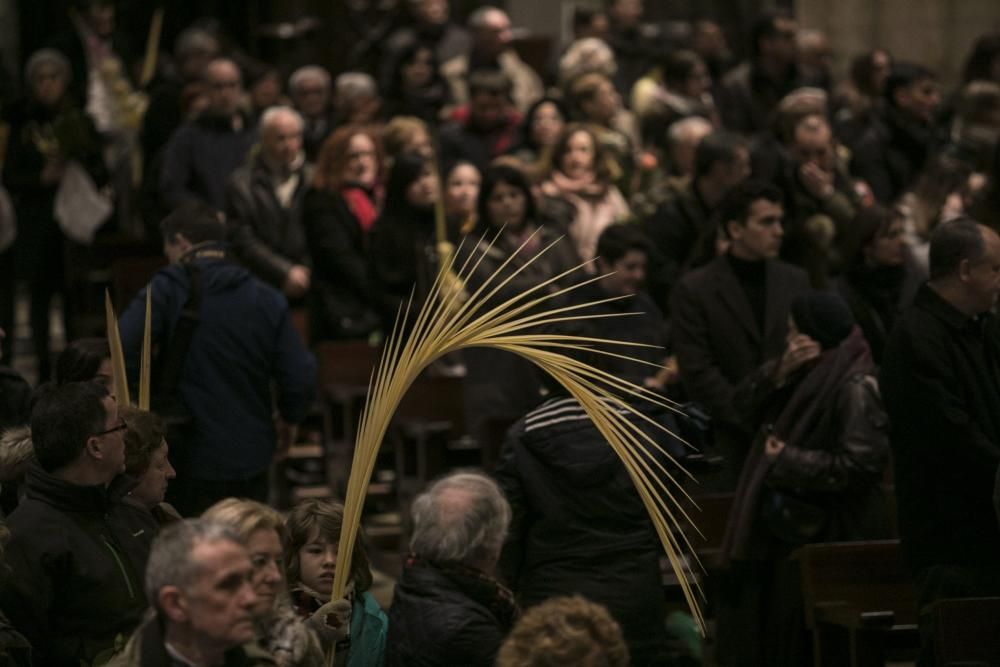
443,618
579,525
77,556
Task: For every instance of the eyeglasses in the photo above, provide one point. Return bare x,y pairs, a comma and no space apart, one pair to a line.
114,429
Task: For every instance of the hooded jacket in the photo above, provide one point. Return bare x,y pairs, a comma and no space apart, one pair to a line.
77,555
243,340
578,525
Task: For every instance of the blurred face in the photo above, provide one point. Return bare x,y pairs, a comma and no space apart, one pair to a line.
708,40
626,13
266,558
921,99
311,97
604,105
462,190
433,12
495,35
982,277
48,85
881,67
282,140
629,273
423,192
760,237
814,145
506,206
419,143
546,125
318,564
153,483
419,71
737,170
219,605
781,45
225,88
362,161
101,19
265,92
486,108
888,249
578,160
698,82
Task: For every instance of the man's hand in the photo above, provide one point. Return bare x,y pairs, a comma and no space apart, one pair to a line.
297,281
287,434
817,181
773,447
800,350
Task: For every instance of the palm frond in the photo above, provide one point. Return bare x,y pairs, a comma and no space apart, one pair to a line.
447,323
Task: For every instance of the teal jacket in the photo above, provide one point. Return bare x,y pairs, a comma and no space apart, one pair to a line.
369,625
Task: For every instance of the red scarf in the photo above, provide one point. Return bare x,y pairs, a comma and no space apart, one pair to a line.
361,205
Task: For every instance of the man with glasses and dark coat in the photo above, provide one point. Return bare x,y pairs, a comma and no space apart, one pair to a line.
76,552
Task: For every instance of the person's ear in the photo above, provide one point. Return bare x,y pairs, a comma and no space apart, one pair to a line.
173,604
964,270
94,447
603,266
733,229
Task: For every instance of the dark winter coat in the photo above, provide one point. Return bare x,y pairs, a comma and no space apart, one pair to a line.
343,296
147,648
199,159
265,236
578,525
891,154
77,557
439,618
941,382
243,341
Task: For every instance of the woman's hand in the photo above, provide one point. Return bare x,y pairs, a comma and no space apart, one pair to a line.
801,349
332,621
773,447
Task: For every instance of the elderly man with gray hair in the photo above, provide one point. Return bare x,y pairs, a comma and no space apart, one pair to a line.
198,582
311,90
264,205
448,609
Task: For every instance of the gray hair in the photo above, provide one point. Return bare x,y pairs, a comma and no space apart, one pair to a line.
461,518
682,130
47,57
273,113
352,86
170,562
192,41
309,72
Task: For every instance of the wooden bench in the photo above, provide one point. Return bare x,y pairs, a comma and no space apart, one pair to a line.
966,632
859,603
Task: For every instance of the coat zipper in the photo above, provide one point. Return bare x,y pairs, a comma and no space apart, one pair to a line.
121,565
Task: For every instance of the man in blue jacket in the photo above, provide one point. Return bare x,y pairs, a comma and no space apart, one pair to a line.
223,337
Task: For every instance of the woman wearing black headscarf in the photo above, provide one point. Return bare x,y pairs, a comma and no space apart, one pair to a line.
813,475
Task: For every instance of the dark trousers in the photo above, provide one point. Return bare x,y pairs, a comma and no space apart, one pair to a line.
945,582
190,497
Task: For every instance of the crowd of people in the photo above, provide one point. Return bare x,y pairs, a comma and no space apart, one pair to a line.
810,266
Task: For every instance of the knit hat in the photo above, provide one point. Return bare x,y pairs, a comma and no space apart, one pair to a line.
824,317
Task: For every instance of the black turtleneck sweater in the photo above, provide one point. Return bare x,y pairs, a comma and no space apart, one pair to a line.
752,275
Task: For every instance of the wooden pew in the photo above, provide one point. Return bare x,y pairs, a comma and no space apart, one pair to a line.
859,602
966,632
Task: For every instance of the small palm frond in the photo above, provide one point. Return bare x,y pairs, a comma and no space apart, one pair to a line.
449,321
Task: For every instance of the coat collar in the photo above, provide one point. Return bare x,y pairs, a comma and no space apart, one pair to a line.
731,292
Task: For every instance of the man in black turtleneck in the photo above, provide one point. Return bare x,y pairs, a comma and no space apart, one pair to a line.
731,316
894,149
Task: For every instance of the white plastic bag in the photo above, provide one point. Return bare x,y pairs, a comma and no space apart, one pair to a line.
80,207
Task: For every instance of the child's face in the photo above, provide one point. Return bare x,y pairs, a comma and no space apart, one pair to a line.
317,563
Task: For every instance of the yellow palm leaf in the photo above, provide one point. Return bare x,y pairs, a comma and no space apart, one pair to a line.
449,321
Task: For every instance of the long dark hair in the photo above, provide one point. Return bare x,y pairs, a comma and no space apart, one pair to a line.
81,360
507,175
405,170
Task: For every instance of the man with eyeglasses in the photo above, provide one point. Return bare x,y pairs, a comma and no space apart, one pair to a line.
202,154
77,552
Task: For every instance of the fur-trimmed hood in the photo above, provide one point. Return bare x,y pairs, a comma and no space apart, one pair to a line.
16,450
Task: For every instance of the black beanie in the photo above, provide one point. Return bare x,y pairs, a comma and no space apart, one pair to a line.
824,317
